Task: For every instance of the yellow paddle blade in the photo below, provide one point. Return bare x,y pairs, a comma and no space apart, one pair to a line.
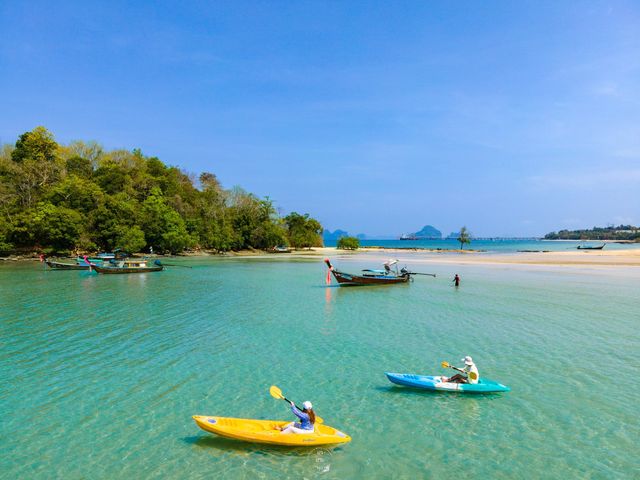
276,392
473,375
445,364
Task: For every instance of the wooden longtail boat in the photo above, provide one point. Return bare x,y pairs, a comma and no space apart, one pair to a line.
582,247
65,266
129,266
369,277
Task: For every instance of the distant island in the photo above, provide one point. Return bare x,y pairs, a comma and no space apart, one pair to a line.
428,232
330,237
621,232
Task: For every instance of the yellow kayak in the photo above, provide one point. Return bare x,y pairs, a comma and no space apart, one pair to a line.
266,431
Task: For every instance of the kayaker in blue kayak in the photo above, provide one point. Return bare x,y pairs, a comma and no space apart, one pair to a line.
464,375
307,419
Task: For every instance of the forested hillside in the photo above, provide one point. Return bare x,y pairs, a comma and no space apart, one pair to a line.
79,197
621,232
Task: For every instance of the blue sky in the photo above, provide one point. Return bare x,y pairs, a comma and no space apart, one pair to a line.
512,118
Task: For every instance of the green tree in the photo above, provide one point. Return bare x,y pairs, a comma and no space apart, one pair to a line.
163,227
303,231
47,226
38,145
111,177
114,213
464,237
5,246
79,166
76,193
348,243
131,239
37,165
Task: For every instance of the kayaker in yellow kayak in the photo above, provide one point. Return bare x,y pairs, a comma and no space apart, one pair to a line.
307,419
465,375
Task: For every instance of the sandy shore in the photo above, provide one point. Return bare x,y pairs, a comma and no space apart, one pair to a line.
625,257
610,258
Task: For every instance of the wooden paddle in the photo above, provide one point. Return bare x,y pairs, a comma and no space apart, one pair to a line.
472,375
277,393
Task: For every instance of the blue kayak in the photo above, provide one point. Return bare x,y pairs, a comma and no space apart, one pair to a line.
430,382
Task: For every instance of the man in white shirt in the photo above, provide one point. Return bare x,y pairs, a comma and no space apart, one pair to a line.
468,374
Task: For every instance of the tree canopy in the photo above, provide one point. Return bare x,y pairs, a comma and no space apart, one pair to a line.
464,237
621,232
348,243
57,198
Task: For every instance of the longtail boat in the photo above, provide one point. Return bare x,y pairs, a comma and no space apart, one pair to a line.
583,247
65,266
373,277
130,265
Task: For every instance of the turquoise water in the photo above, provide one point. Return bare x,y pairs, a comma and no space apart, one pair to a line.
101,374
500,246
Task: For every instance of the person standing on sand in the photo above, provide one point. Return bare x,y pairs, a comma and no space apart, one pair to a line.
456,280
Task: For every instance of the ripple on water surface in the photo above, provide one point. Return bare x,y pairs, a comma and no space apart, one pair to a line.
101,375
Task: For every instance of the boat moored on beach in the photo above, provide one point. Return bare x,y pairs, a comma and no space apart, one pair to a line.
587,247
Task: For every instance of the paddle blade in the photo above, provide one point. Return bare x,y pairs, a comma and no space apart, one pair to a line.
445,364
276,392
473,375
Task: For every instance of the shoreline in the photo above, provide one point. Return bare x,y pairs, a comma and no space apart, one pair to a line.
610,258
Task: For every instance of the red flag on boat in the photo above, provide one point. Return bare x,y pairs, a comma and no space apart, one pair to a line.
326,260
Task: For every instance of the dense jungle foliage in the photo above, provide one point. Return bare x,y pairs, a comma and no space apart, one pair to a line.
621,232
79,197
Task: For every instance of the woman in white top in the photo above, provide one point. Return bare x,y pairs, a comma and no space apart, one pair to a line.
465,373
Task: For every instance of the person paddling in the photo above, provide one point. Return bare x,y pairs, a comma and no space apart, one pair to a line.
465,373
456,280
307,419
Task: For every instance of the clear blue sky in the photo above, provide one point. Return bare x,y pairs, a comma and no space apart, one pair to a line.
512,118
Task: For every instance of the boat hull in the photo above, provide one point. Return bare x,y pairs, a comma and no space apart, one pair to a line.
347,279
65,266
435,383
121,270
265,431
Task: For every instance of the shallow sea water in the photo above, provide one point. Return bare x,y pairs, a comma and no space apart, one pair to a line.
101,374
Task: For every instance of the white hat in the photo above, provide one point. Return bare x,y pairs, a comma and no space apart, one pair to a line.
307,405
467,360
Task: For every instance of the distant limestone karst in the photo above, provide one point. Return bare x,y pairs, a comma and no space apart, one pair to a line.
332,237
428,232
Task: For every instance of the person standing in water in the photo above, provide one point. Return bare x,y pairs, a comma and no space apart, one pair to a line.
307,419
456,280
